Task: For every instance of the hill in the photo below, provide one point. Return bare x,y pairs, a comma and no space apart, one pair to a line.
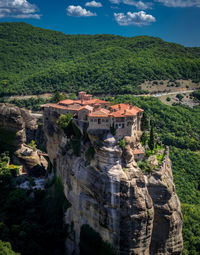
35,60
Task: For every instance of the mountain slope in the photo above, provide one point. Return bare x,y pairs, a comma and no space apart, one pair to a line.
35,60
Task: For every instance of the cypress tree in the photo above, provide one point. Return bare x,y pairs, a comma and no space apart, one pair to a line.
144,122
144,138
151,139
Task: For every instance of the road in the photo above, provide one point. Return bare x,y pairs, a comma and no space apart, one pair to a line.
172,93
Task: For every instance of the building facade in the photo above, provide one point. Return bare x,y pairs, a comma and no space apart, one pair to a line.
98,114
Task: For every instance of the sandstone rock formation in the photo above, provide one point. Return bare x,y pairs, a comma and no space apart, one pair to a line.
17,127
32,160
137,213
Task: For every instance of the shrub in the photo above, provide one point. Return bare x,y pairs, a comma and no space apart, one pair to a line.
122,143
64,121
33,145
179,96
168,99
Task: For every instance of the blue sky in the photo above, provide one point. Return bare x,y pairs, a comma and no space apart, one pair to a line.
172,20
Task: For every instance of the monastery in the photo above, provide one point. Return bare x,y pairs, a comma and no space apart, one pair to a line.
98,114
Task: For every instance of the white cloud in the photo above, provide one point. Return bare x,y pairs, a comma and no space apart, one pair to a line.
18,9
135,18
180,3
138,4
93,4
78,11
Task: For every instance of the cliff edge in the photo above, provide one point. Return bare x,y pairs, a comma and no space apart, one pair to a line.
136,212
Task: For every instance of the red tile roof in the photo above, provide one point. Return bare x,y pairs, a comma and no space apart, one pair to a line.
66,101
91,101
124,113
57,106
126,107
99,113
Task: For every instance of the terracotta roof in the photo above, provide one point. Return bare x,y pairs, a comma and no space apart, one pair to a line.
136,152
91,101
124,113
99,113
126,107
74,106
66,101
88,107
57,106
120,106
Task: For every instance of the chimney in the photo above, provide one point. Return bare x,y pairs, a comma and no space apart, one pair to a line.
81,101
131,107
124,111
119,106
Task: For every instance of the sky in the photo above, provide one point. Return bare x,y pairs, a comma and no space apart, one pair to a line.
172,20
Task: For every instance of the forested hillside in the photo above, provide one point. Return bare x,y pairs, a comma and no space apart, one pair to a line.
35,60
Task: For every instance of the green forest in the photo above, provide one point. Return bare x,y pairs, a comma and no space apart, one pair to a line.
35,61
179,127
31,221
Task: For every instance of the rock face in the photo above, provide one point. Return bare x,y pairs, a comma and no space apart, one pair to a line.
17,121
167,212
138,214
17,127
33,162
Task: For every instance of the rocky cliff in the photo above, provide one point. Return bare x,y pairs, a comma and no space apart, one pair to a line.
18,127
135,212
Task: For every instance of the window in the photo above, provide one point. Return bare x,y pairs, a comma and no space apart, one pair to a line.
106,120
122,125
99,121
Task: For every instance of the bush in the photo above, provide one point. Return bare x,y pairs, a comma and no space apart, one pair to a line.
33,145
122,143
168,99
179,96
64,121
6,249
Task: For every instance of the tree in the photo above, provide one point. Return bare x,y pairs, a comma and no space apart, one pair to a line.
6,249
144,138
151,139
33,145
58,97
179,96
64,120
145,122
